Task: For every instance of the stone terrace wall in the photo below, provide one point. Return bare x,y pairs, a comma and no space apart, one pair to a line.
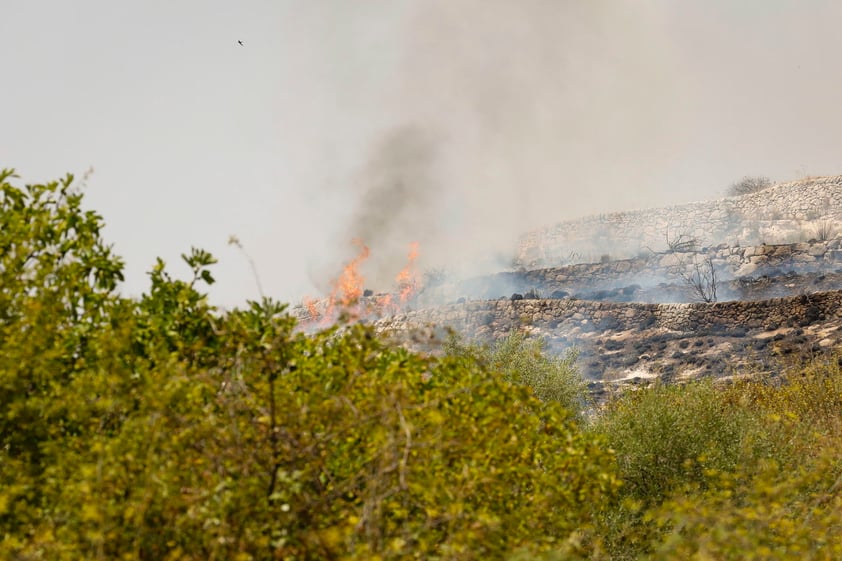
497,318
783,213
651,269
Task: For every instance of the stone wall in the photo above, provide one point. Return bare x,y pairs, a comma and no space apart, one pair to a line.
653,268
647,276
492,319
783,213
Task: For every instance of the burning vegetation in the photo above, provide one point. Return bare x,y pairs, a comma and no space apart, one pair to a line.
349,296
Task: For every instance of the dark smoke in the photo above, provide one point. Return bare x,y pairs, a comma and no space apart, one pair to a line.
397,190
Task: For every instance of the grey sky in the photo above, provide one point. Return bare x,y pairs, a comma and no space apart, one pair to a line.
492,116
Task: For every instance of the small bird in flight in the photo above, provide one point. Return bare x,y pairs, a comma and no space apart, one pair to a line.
241,43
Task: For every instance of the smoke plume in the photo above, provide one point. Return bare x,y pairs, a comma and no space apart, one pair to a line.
398,192
500,117
508,115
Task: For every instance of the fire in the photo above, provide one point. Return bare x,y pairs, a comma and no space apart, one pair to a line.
385,304
349,288
310,304
407,279
350,282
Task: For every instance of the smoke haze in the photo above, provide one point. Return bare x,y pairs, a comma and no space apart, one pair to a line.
455,123
507,116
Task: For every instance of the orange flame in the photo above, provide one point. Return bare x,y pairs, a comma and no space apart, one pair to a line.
385,304
349,287
406,279
351,281
311,307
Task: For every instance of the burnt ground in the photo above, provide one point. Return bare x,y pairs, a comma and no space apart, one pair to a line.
612,360
611,357
644,356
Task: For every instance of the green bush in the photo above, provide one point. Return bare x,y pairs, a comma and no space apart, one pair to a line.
785,504
727,465
159,428
668,435
799,412
774,513
525,361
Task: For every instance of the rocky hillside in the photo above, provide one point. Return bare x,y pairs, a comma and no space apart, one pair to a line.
701,290
742,273
783,213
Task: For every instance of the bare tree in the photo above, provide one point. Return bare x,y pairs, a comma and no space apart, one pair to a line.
684,242
700,278
681,243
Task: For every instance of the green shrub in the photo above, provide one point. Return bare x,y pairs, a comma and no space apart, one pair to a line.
667,435
801,410
722,471
774,513
526,361
159,428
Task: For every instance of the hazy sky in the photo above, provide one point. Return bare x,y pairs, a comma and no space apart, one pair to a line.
455,123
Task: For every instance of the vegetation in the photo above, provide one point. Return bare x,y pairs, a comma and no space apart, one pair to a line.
161,428
524,362
748,185
660,448
700,278
748,471
681,243
824,231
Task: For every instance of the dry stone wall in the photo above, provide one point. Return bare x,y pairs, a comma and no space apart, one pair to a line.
493,319
730,262
783,213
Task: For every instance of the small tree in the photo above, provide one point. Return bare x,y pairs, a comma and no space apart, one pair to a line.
748,185
700,278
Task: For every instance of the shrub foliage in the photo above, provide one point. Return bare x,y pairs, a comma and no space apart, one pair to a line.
161,429
748,185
